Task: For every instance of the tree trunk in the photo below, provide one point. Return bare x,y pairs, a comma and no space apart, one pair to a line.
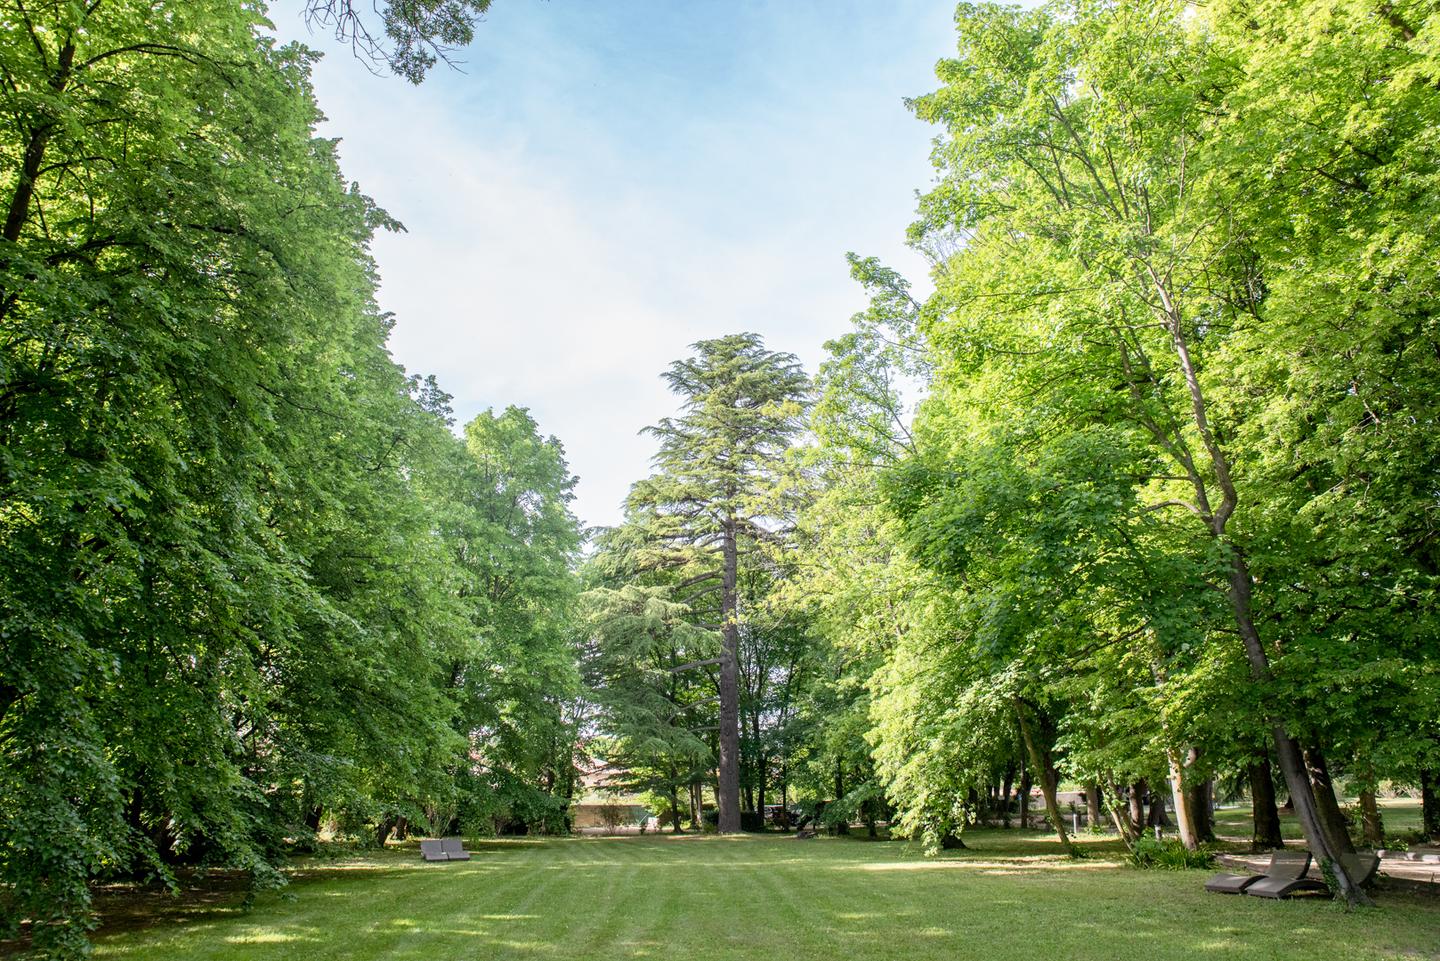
1024,796
1332,818
1120,813
1179,796
1200,795
1323,846
1158,817
1041,759
1092,806
727,795
1138,790
1005,796
1264,815
1240,593
759,763
1374,827
1430,803
841,827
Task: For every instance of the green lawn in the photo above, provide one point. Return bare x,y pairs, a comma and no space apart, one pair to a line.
1011,897
1399,816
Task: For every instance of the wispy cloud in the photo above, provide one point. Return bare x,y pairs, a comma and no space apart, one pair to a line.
606,184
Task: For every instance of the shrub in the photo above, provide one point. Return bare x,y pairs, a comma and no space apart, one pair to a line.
1169,854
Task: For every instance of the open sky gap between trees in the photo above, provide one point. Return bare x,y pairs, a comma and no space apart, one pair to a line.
1141,499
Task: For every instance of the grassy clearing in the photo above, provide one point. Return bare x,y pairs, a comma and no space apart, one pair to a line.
1013,896
1400,816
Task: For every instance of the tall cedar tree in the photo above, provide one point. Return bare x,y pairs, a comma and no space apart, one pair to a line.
716,470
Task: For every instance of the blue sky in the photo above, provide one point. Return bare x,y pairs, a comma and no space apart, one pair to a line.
600,184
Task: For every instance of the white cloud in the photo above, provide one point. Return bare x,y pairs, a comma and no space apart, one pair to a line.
559,260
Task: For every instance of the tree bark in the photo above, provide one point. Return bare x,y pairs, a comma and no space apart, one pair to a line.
728,788
1266,818
1158,818
1374,827
1430,803
1332,818
1239,593
1179,795
1005,796
1200,797
1138,790
1040,758
759,763
841,827
1323,846
1092,806
1120,813
1024,797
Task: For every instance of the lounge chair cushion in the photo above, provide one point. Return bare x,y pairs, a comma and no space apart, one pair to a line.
433,851
454,849
1231,883
1283,887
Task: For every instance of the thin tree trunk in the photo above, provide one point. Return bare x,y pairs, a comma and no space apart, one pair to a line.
1239,592
728,787
759,764
1120,813
1005,796
1265,835
1024,796
1049,777
841,827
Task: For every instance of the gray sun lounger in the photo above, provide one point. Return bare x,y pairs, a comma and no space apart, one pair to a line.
444,849
1284,866
1360,867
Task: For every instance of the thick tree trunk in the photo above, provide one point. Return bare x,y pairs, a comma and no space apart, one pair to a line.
1374,827
1200,795
1158,818
1266,818
728,787
1092,806
1179,796
1325,848
1332,818
1138,790
1430,804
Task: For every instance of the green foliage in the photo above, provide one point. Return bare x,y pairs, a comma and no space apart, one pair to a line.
1167,853
250,583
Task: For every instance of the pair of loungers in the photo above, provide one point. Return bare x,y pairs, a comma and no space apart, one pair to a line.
1286,876
445,849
